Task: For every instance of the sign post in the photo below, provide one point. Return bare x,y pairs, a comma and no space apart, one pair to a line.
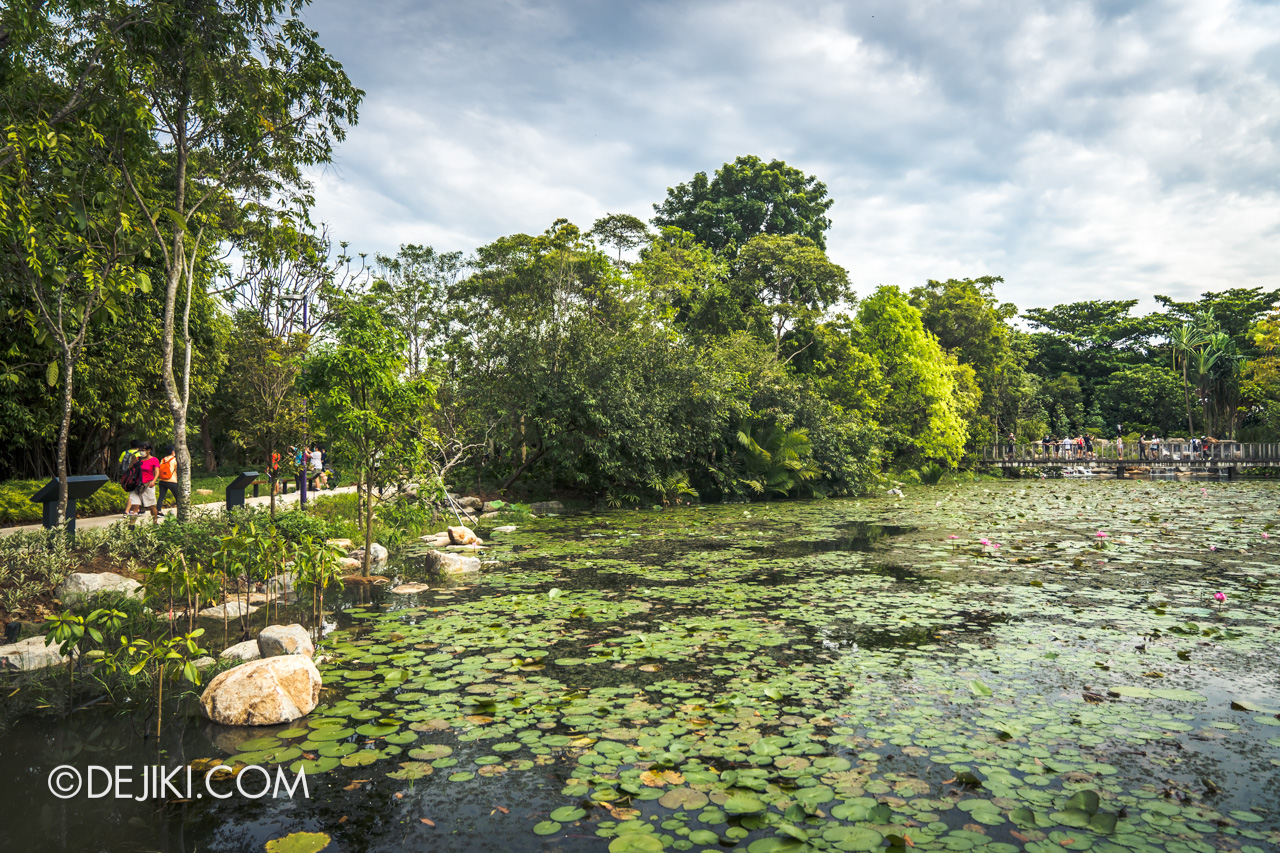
78,489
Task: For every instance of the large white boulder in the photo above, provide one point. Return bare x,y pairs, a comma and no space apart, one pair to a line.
263,692
471,503
81,585
233,609
377,554
463,536
451,564
30,654
276,640
246,651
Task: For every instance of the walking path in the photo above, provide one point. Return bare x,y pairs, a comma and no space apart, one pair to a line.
261,500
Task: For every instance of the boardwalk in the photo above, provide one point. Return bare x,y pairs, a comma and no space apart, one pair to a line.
1178,455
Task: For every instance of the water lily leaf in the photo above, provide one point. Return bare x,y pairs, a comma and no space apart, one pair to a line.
636,842
775,844
684,798
1086,801
299,842
743,804
568,814
1103,823
546,827
978,688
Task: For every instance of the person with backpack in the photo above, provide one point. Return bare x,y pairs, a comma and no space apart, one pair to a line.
168,477
140,482
126,460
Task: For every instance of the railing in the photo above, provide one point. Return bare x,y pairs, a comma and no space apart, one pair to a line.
1166,452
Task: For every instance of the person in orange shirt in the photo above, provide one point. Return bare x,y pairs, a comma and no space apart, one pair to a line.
168,478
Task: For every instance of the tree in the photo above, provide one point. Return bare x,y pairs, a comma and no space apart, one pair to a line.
266,411
620,230
242,96
1184,340
68,235
973,326
414,290
787,280
1144,396
920,416
746,198
372,415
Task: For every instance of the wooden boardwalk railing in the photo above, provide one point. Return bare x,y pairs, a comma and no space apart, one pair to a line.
1178,453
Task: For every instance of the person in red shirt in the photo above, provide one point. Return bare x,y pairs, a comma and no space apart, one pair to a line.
145,495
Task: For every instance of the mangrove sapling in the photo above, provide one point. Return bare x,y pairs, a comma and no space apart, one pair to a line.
161,657
72,632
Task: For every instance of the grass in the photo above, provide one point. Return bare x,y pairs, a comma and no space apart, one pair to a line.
16,506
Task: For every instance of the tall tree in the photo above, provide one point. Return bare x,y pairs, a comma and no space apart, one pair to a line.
746,198
242,96
68,236
373,416
415,287
620,230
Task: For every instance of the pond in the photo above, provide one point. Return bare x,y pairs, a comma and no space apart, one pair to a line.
991,666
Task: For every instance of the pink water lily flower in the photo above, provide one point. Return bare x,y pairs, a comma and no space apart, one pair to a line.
984,541
1266,535
953,536
995,544
1213,547
1101,535
1219,597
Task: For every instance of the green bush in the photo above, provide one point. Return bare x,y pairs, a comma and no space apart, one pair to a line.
931,473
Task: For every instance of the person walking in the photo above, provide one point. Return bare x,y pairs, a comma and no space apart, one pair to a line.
124,463
167,478
1155,447
1009,447
317,467
144,494
1088,446
1119,447
1142,446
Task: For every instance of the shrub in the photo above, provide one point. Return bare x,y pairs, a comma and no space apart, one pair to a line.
931,473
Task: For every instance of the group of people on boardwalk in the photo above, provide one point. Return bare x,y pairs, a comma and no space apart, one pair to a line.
1086,446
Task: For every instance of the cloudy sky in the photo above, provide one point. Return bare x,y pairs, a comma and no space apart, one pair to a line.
1081,150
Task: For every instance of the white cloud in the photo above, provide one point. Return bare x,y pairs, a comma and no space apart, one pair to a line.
1081,150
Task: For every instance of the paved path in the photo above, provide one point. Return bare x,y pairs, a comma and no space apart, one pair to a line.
108,520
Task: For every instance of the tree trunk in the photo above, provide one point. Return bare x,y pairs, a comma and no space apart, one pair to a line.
368,521
1186,393
69,366
206,441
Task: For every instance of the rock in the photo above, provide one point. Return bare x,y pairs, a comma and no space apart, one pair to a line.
484,515
546,508
437,539
376,580
277,640
204,491
490,564
203,663
341,544
410,588
281,583
349,564
81,585
263,692
463,536
233,609
451,564
377,554
30,654
509,528
494,506
471,503
246,651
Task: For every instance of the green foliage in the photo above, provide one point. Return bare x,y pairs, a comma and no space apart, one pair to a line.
776,460
931,473
921,415
746,198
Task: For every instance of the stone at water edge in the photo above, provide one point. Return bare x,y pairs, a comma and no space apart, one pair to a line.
348,564
263,692
277,640
471,503
546,508
508,528
30,654
246,651
82,585
451,564
463,536
233,609
203,663
359,580
340,544
494,506
377,554
410,588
